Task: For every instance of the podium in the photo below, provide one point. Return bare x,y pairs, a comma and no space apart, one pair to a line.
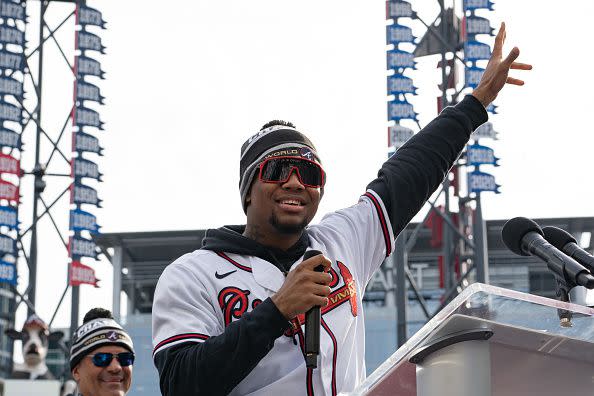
491,341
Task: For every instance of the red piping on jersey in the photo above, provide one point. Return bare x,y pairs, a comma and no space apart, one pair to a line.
186,336
382,219
235,263
334,354
308,378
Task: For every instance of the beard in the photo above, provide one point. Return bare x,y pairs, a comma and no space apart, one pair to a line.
287,229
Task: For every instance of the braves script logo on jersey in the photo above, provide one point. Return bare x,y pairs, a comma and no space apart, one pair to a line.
235,302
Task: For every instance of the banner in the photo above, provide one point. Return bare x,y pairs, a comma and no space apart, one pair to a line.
90,16
83,142
12,10
480,181
83,221
9,217
481,155
82,274
398,135
8,245
9,191
485,131
81,247
477,52
87,117
81,194
9,164
88,67
86,168
8,273
90,42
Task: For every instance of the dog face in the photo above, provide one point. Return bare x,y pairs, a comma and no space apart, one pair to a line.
35,340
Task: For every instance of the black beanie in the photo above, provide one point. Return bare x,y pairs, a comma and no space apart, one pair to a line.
274,140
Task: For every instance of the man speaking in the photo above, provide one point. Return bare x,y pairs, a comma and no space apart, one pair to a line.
228,318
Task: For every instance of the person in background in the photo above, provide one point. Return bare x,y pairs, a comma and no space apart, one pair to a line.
101,356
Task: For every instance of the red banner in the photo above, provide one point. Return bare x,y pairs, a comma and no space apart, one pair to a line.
82,274
9,164
9,191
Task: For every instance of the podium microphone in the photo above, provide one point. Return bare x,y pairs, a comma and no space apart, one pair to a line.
565,242
524,237
312,323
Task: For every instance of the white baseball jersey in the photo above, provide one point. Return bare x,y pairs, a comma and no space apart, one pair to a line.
192,304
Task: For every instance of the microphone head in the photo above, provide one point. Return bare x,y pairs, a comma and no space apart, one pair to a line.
311,253
557,237
513,232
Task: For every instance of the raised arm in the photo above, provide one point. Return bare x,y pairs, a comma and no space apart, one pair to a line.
414,172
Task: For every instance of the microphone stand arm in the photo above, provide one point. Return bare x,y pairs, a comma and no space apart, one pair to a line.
562,288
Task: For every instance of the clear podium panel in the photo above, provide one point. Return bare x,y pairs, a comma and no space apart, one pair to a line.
531,353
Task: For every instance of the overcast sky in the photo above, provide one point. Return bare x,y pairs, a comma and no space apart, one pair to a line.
188,81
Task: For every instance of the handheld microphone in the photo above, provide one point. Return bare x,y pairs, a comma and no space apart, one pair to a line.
565,242
312,323
524,237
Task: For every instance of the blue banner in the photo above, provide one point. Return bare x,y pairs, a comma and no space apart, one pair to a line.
398,110
86,168
475,50
82,247
90,16
399,84
8,245
398,9
399,59
8,273
398,135
11,35
90,42
473,76
86,66
88,91
9,217
478,25
16,11
481,155
480,181
485,131
87,117
399,34
10,86
10,138
10,112
11,60
83,142
81,221
470,5
82,194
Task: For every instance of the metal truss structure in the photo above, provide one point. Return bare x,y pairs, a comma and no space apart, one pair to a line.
48,166
463,243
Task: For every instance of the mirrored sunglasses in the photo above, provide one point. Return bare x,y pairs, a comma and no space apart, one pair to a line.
279,170
103,359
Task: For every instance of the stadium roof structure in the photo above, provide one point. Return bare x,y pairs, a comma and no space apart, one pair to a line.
139,258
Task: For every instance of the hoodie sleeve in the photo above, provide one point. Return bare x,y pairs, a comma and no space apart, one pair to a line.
194,352
407,180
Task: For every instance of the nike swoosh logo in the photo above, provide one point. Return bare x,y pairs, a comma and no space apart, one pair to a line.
226,274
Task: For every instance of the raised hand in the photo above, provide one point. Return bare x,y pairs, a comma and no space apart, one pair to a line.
497,71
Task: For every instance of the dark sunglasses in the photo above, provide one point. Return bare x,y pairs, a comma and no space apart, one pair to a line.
279,170
103,359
